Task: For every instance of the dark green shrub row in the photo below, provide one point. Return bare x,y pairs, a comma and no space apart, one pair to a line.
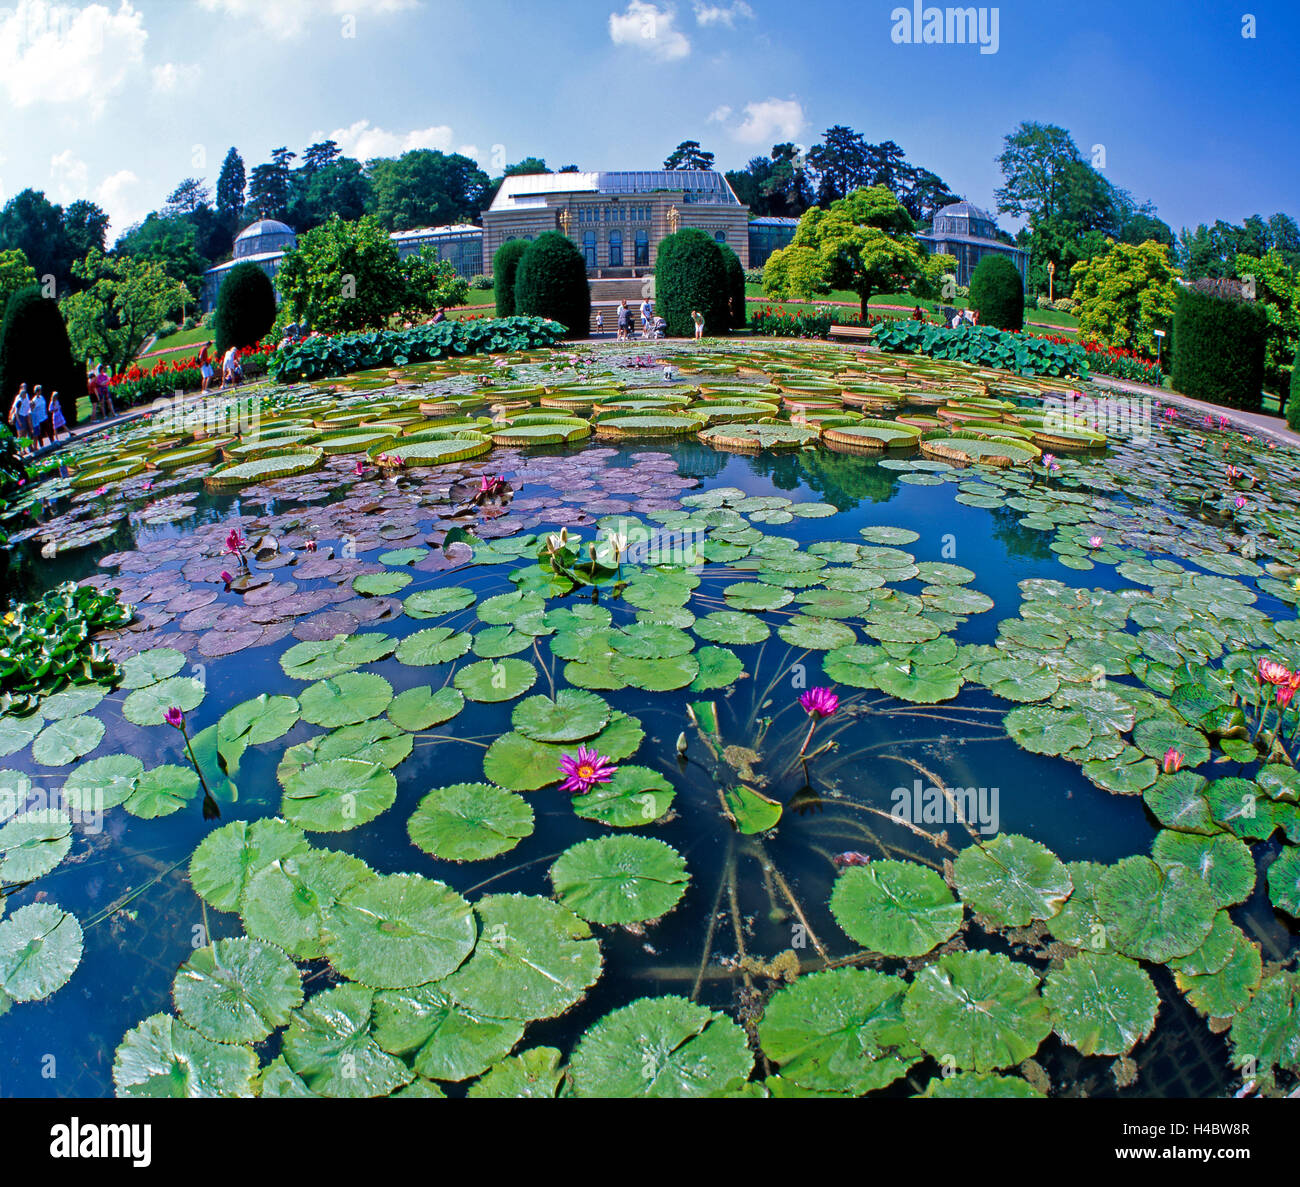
34,349
551,283
1219,349
692,272
318,357
505,266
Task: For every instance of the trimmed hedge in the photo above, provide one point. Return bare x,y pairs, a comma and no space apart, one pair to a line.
1219,349
245,310
998,294
34,349
735,288
691,273
551,283
505,267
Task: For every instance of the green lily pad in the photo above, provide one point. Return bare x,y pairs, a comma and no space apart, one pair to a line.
434,603
448,1041
346,699
419,709
1012,880
151,667
237,991
1101,1004
284,902
428,648
148,706
1284,881
660,1047
330,1045
337,796
333,657
493,681
535,1073
380,585
40,949
162,791
1153,913
102,783
634,797
572,716
164,1058
751,811
620,879
227,858
896,908
1223,862
470,822
33,843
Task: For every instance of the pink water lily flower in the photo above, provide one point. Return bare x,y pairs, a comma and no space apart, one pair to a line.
1272,672
309,545
175,717
235,543
587,770
1049,462
1173,761
1239,502
1285,693
226,577
491,486
1096,542
820,702
359,469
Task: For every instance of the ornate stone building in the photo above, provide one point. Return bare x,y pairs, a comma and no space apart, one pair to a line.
965,231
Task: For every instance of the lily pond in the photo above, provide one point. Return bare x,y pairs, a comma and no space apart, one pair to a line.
768,720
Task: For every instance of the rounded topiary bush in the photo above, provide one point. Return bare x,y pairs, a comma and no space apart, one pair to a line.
245,309
505,267
34,349
691,273
735,288
997,293
1219,349
551,282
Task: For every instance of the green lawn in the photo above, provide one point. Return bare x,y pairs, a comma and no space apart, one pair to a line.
180,339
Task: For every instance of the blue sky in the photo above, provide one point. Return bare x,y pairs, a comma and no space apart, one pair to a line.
118,100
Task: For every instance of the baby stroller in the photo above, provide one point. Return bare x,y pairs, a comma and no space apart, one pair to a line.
658,328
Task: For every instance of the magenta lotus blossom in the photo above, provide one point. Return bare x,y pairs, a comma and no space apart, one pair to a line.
1049,462
175,717
103,490
236,543
1095,542
358,469
1239,502
820,702
1272,672
587,770
226,577
309,545
851,858
1173,761
1233,473
1285,693
492,486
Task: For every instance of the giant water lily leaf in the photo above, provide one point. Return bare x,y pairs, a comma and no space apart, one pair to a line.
1012,880
535,1073
151,667
422,708
18,732
255,723
337,796
534,959
397,931
449,1042
520,764
162,1057
470,822
434,603
284,902
572,716
1223,862
634,797
40,949
497,680
330,1045
660,1047
346,699
1178,801
731,627
1044,730
839,1031
977,1010
33,843
227,858
148,706
896,908
620,879
656,675
1153,913
237,991
1101,1004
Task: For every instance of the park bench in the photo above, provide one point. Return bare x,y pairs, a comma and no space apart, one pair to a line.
851,333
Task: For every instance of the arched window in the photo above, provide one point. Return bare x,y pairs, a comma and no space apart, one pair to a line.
643,249
616,249
720,236
589,248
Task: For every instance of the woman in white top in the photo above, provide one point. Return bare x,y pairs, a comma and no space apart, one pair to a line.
40,418
20,413
698,318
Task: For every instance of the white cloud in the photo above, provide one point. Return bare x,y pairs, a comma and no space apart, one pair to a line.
55,53
173,77
366,142
114,196
719,115
717,14
771,121
69,176
647,27
288,18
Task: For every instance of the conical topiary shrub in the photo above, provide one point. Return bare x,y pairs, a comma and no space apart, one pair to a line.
551,282
34,349
245,308
997,293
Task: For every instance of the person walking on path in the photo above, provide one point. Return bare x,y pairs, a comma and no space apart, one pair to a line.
104,393
624,321
698,318
40,418
647,312
58,422
20,413
600,322
205,365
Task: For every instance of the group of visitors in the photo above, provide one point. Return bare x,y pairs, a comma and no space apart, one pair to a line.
232,370
651,326
37,418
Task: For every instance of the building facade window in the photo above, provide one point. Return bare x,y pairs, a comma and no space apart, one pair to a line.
643,249
720,236
616,249
589,248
